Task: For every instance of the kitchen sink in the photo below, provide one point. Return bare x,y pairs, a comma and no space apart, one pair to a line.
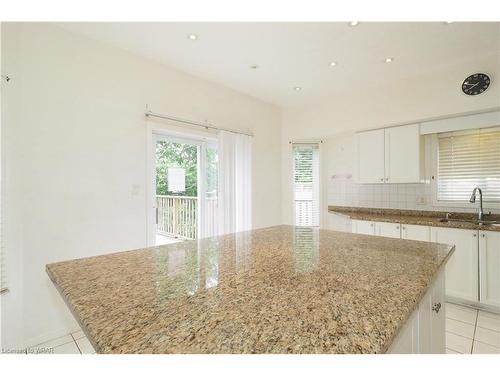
470,221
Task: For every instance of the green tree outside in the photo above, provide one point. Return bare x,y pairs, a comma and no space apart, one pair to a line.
172,154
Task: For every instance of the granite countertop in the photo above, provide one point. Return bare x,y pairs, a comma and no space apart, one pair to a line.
430,218
280,289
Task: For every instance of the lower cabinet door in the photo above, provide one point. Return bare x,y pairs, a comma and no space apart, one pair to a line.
415,232
406,341
363,227
424,332
425,324
462,267
438,315
388,229
489,268
431,319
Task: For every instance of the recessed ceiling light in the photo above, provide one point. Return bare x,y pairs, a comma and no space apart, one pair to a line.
333,63
254,66
297,88
389,60
353,23
192,36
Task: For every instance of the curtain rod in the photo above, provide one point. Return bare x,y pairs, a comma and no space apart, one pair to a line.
194,123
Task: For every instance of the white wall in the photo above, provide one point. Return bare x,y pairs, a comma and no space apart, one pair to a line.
423,96
74,144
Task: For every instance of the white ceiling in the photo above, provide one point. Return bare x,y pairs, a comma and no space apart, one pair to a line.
298,54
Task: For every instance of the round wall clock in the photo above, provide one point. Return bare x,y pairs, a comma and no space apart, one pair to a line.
475,84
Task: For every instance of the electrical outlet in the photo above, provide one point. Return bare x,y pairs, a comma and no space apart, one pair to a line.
421,200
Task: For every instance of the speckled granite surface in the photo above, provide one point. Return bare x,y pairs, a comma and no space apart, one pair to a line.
281,289
430,218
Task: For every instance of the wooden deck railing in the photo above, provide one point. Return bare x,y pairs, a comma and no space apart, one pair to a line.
177,216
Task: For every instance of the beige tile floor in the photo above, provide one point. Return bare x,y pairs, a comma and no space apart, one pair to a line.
73,343
467,331
471,331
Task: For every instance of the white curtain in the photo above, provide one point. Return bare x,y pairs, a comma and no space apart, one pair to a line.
235,182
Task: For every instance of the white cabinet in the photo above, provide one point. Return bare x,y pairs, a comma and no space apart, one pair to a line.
489,268
462,267
432,318
363,227
403,154
438,315
415,232
424,332
371,156
406,342
392,230
392,155
473,270
376,228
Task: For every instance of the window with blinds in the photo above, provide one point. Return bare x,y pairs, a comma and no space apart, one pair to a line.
466,160
306,184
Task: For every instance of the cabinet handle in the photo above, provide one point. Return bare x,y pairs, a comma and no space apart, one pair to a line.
474,235
397,227
404,228
371,224
436,307
483,235
387,178
382,179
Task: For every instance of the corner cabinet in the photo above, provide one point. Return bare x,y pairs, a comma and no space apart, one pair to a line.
391,155
489,268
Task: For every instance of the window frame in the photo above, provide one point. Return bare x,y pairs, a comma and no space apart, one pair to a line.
433,158
320,180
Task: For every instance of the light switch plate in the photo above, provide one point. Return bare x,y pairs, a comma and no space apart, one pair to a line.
136,189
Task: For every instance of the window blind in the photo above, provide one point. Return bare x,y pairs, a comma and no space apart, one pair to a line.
306,184
466,160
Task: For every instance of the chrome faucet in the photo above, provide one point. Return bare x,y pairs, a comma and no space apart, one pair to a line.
473,199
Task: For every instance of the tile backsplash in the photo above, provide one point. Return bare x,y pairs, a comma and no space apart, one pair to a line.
343,191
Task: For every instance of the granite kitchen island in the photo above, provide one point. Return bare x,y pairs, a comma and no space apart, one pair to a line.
281,289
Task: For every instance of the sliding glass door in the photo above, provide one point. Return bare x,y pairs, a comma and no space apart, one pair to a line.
306,184
185,188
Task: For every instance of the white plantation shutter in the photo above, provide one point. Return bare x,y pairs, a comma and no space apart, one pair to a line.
306,184
466,160
3,273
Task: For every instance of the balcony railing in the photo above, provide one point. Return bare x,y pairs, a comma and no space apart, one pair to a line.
178,216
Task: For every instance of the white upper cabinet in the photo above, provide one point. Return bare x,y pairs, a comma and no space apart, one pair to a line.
371,157
392,155
489,268
403,154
